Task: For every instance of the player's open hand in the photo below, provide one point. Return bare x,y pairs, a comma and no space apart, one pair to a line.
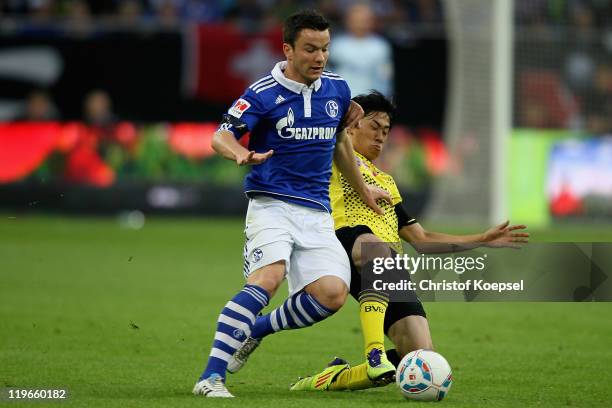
253,157
372,194
505,236
352,116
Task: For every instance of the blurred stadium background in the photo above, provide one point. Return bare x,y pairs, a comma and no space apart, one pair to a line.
121,231
505,107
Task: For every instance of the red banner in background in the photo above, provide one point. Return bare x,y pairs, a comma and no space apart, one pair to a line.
96,156
192,140
24,146
227,60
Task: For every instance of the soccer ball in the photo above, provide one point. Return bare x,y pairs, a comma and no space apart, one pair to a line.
424,375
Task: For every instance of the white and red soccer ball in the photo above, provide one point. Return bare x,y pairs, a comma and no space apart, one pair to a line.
424,375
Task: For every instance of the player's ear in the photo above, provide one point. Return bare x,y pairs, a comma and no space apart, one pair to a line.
350,132
288,51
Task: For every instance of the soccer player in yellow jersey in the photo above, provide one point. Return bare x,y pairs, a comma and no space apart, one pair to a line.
404,323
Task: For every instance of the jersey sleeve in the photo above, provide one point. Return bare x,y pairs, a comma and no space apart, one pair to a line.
345,102
403,218
243,115
346,96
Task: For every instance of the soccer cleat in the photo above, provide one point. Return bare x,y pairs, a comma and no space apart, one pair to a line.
380,370
240,356
213,387
322,380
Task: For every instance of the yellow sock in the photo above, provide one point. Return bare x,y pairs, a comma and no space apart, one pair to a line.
355,378
372,307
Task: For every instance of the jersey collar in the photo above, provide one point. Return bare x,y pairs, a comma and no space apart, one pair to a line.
297,87
361,158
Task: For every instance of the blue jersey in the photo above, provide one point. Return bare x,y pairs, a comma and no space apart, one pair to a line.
299,122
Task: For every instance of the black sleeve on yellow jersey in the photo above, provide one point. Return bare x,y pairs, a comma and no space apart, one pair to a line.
403,218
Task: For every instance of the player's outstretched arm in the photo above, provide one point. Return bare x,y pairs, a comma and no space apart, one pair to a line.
224,142
345,160
501,236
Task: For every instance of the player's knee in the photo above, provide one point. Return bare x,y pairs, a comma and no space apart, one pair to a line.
268,284
329,291
333,303
374,248
334,300
268,277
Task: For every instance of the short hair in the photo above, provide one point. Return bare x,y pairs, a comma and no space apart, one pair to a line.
375,101
301,20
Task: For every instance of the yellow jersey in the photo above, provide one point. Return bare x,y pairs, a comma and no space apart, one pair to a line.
349,210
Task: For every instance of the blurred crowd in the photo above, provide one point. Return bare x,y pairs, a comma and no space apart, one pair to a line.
397,19
563,47
553,14
564,64
40,107
249,12
542,14
359,33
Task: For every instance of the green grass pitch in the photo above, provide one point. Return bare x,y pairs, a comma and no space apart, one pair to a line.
125,318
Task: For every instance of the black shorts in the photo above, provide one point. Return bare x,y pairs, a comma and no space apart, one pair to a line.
395,310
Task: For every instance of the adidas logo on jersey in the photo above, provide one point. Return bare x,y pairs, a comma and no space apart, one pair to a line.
279,99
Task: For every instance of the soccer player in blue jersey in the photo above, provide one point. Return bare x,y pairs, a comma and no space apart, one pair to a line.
293,116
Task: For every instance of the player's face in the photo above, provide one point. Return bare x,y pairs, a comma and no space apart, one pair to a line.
370,139
307,58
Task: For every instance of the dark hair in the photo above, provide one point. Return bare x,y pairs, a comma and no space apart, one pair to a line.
301,20
375,102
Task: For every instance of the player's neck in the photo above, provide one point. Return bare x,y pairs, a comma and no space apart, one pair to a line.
364,156
291,74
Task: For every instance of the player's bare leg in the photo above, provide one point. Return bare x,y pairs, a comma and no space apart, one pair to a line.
376,248
410,333
268,277
329,291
